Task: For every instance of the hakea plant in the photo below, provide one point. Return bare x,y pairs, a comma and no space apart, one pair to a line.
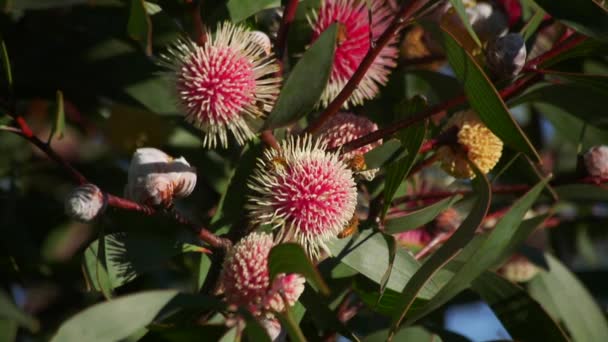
358,25
390,217
305,191
225,83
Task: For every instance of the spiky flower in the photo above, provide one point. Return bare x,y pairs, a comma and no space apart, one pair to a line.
596,161
84,202
345,127
223,83
354,33
307,192
246,281
155,178
475,142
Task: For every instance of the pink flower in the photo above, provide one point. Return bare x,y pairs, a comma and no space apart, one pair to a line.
596,161
223,83
353,44
305,191
246,281
345,127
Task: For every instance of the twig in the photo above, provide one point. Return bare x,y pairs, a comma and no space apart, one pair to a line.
289,15
406,11
200,34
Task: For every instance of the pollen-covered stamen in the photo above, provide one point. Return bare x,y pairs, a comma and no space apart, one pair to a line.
223,83
310,194
354,33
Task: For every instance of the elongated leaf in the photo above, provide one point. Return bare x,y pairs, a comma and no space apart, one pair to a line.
6,63
416,333
242,9
584,16
294,103
139,26
489,251
533,24
9,310
323,317
389,150
459,239
575,307
522,316
462,13
119,318
411,139
59,123
355,251
291,258
420,217
289,323
484,98
582,192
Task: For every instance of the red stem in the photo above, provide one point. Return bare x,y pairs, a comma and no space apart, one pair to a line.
406,11
289,15
200,36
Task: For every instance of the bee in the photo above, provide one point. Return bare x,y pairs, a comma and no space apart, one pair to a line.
277,162
351,228
357,163
342,33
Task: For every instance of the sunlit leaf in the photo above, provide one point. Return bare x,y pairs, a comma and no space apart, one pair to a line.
291,258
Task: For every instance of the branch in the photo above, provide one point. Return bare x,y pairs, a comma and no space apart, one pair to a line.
406,11
506,94
289,15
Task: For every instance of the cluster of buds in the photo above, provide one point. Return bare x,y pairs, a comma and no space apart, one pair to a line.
84,203
155,178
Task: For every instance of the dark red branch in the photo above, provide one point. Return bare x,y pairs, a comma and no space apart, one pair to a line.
406,11
289,15
200,32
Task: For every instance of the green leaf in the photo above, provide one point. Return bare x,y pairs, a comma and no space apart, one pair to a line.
139,26
416,333
418,218
10,311
242,9
576,308
464,18
588,48
8,329
323,317
95,267
293,102
231,207
291,258
255,331
127,256
203,269
533,24
490,250
6,63
452,246
585,16
484,98
582,192
119,318
523,317
355,251
411,139
59,124
383,154
289,323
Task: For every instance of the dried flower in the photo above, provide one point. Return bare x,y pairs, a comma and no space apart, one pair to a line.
246,281
353,44
84,202
596,161
305,191
155,178
475,142
223,83
506,55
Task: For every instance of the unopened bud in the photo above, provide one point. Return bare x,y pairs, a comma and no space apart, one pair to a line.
84,202
155,178
488,22
506,55
596,161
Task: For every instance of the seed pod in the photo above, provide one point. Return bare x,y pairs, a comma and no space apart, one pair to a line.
506,56
84,203
596,161
155,178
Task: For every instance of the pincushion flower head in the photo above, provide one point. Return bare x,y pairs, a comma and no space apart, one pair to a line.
84,202
353,44
246,282
223,83
305,191
475,142
155,178
596,161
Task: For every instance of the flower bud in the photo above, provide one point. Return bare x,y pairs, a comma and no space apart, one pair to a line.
488,22
506,56
155,178
84,202
596,161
